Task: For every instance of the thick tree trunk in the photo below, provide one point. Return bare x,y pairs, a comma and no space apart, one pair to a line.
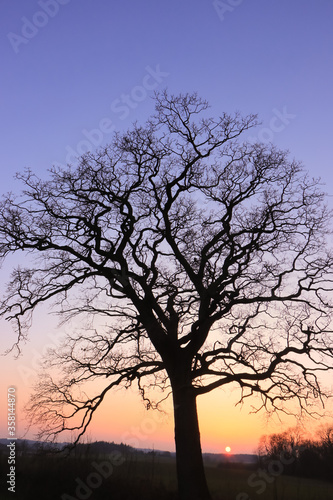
192,483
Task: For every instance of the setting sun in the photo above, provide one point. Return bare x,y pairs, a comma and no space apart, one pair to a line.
228,449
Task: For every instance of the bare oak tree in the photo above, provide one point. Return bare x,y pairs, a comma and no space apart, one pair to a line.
204,254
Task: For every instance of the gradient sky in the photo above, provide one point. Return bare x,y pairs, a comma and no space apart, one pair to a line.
74,70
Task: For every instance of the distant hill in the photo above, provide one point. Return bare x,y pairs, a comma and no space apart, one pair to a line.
104,447
30,445
97,447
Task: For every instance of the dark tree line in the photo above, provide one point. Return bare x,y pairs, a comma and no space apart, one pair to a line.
200,260
300,456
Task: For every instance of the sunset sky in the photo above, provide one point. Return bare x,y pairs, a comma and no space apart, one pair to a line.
75,71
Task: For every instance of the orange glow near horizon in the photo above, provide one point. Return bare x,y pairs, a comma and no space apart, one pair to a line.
122,417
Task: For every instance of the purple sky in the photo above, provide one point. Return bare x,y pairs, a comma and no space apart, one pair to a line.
81,65
74,70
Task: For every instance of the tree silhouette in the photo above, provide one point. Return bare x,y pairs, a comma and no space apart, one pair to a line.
205,254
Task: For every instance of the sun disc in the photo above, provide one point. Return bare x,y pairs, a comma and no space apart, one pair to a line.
228,449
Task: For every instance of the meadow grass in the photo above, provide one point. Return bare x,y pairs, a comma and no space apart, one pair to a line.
236,484
148,477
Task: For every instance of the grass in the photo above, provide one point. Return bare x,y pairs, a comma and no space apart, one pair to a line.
145,477
242,484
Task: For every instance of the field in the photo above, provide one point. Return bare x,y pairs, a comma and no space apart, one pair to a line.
148,477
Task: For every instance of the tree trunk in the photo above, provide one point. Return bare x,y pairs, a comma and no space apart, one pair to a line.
191,477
